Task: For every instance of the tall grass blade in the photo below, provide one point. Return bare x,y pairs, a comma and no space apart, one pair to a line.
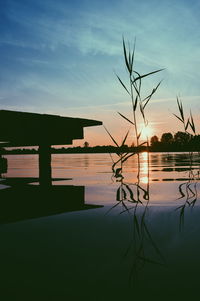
130,62
134,82
136,88
178,117
126,118
180,107
123,84
111,137
142,111
145,75
187,124
192,125
125,57
133,53
138,136
136,102
123,142
149,97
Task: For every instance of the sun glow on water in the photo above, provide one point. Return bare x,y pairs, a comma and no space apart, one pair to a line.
144,168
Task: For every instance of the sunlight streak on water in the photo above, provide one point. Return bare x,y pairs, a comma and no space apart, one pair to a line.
144,180
144,171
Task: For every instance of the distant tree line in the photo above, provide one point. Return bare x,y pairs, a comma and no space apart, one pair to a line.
180,141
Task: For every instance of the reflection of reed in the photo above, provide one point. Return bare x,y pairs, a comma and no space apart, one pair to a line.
187,189
134,199
188,194
141,241
131,193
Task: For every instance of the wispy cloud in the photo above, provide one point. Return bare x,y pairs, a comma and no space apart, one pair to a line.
64,53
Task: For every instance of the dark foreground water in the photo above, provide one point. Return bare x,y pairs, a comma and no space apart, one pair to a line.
126,240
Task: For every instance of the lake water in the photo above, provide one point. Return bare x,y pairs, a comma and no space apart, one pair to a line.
142,239
164,173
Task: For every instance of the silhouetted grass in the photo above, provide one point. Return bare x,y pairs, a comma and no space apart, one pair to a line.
133,87
134,90
130,195
188,189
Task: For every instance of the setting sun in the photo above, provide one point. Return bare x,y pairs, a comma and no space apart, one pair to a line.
146,132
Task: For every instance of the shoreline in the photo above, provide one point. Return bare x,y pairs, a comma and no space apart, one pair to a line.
27,152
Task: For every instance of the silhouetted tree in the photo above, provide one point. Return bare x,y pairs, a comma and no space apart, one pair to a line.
167,138
195,142
182,138
86,144
154,140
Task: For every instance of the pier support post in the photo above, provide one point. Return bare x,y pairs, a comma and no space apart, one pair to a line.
44,165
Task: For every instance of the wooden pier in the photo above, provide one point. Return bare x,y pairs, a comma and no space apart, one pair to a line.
19,129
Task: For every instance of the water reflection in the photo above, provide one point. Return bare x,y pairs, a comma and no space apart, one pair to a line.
137,195
3,166
188,193
22,201
139,239
134,198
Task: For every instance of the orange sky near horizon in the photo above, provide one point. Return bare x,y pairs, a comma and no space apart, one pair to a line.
159,115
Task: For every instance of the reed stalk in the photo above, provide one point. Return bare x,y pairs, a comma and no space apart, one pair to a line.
188,189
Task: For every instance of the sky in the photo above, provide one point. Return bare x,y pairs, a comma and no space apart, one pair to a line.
62,56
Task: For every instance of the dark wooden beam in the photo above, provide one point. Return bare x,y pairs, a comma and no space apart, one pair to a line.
44,165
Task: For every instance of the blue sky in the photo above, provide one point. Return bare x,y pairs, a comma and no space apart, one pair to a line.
60,57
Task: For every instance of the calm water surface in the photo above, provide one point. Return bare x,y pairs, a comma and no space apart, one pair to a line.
164,173
108,253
